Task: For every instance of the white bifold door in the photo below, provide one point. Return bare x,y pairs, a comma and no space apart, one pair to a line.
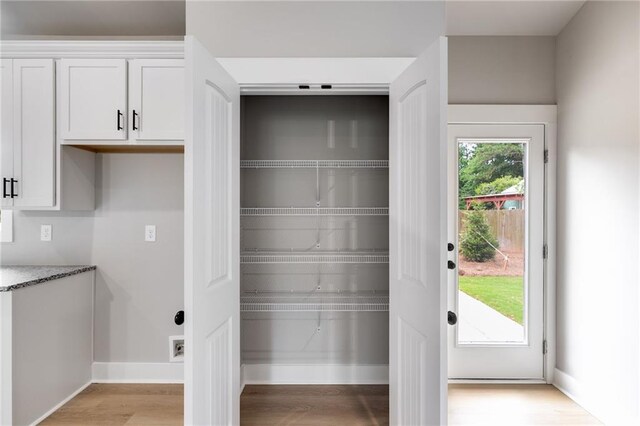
212,255
417,311
417,222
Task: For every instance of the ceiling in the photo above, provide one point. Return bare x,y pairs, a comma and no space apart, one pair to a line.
140,18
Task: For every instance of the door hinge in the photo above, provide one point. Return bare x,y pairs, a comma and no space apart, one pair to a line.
544,347
545,251
546,156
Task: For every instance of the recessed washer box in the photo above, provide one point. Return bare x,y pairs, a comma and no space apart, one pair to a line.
176,348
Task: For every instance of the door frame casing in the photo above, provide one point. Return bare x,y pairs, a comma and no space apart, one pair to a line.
545,115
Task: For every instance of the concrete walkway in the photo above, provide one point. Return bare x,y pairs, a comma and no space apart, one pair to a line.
478,322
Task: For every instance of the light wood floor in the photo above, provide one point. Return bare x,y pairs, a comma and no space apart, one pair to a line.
116,404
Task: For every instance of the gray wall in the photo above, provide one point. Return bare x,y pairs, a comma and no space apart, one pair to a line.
598,199
81,18
139,285
51,344
502,70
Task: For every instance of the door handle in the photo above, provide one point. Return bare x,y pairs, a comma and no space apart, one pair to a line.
5,194
452,318
13,183
179,318
118,118
135,115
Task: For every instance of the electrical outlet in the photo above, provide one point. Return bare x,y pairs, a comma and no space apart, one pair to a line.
45,232
150,233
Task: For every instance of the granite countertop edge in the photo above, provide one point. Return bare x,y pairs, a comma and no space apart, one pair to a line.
30,275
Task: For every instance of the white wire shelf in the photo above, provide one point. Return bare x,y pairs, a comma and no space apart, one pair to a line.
334,302
314,164
314,211
296,257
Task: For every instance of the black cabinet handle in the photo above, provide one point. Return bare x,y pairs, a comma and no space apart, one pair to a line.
452,318
450,246
451,264
5,193
13,185
119,123
179,318
135,115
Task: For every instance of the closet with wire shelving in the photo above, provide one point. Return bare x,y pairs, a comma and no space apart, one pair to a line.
314,238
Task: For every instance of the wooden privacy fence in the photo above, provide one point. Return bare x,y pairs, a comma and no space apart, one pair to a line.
506,225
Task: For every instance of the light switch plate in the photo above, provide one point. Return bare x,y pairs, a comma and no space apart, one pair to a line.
150,233
45,233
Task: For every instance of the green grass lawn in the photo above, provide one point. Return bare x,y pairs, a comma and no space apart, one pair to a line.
504,294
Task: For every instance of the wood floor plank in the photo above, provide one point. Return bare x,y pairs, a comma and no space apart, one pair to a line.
309,405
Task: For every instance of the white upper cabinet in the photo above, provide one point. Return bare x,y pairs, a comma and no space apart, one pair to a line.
28,133
156,99
103,104
94,99
6,130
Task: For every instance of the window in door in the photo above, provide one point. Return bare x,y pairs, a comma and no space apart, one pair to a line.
492,196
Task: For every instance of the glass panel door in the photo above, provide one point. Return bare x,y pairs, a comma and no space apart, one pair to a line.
496,223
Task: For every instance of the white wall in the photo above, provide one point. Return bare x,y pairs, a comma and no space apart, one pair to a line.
502,70
598,203
139,286
315,28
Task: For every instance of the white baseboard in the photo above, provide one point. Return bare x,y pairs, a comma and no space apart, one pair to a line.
61,403
591,400
137,372
497,382
261,374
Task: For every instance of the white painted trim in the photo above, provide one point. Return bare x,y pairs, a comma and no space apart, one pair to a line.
590,400
243,382
530,114
497,382
91,49
61,403
137,372
6,354
6,226
314,89
314,374
286,71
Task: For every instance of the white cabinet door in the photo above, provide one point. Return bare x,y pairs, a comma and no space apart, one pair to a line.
34,132
212,242
6,143
94,99
418,224
156,99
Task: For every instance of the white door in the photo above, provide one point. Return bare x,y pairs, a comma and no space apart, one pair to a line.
94,99
212,243
496,205
417,305
34,133
6,144
156,99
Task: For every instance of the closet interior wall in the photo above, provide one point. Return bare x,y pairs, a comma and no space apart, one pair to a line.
315,229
